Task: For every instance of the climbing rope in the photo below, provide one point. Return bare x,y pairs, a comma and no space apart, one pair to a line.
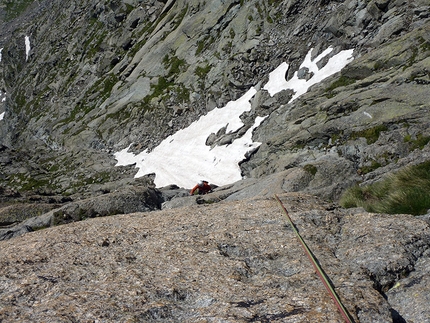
317,267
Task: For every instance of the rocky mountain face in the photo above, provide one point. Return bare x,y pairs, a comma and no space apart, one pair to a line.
81,80
98,76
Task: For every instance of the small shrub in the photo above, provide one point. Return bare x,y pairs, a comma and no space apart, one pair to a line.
182,93
232,33
175,63
342,81
272,2
203,44
160,86
367,169
310,169
425,46
378,65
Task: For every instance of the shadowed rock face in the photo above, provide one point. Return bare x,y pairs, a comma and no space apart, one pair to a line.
234,261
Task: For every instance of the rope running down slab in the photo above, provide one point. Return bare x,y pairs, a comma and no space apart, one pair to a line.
317,267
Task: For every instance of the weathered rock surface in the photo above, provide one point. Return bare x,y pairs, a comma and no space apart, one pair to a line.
129,200
346,130
117,73
232,261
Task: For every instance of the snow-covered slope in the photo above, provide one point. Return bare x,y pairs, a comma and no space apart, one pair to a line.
184,158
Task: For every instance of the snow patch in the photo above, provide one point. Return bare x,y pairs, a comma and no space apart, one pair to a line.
0,53
1,116
27,47
277,81
184,158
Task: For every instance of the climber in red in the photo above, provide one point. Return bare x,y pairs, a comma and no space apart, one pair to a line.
201,188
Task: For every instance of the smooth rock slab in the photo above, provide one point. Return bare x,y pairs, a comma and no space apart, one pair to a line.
227,262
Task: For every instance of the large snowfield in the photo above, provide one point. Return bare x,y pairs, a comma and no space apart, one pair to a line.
184,158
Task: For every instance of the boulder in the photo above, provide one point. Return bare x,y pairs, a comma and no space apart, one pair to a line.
128,200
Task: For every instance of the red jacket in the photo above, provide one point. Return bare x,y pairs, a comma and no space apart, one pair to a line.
203,189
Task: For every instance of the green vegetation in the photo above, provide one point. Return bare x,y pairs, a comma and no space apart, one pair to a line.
407,191
336,138
259,30
201,72
419,142
24,182
272,2
129,9
149,27
310,169
20,99
182,93
259,10
379,65
412,59
98,178
232,33
103,86
180,17
367,169
203,44
159,88
228,47
96,36
120,115
175,65
371,134
342,81
13,8
425,45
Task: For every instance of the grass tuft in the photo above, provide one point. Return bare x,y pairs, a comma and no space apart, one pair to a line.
407,191
371,134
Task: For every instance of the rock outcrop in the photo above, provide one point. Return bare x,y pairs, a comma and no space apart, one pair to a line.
232,261
129,199
364,124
